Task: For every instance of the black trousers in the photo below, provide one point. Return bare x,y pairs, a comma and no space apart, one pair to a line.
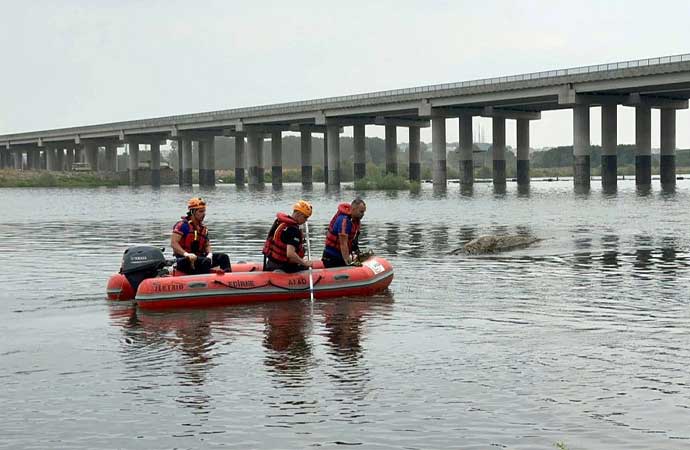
332,261
204,264
270,266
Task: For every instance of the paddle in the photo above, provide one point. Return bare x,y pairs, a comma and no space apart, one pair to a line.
311,277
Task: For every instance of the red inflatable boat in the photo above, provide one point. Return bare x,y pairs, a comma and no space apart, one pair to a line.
248,283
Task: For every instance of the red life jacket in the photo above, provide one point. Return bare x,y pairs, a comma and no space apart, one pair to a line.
274,247
195,241
332,242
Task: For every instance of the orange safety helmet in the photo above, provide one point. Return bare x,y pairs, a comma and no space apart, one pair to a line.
196,203
304,207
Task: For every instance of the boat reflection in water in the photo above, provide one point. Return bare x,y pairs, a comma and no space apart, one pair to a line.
187,344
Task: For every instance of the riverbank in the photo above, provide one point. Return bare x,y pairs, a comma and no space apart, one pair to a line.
31,178
10,178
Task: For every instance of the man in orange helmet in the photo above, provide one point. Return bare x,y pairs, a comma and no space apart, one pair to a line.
191,245
284,247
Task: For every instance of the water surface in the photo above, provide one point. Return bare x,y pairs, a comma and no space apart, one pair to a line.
582,338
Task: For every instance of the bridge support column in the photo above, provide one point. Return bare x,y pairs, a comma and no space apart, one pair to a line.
211,162
609,145
277,159
667,162
201,162
333,155
466,160
187,177
305,151
133,163
60,159
325,158
69,158
155,162
255,158
111,158
581,148
51,156
643,146
207,162
438,145
391,149
18,157
499,150
522,152
415,170
91,151
179,163
32,159
359,141
240,158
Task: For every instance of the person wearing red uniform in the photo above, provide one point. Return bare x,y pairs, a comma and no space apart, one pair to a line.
191,245
284,247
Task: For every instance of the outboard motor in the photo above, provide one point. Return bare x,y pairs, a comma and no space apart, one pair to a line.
142,262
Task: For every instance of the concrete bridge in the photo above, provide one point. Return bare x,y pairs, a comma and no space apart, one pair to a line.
662,83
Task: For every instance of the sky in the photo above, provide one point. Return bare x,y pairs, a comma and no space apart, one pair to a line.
72,63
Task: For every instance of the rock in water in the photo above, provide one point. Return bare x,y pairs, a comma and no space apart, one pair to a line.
494,244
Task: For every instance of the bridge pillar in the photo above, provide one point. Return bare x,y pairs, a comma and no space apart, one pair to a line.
91,151
51,157
391,149
18,157
325,158
155,162
255,158
438,145
333,155
240,158
211,163
133,163
609,145
277,159
466,161
32,159
207,162
667,167
305,151
111,157
359,141
60,159
69,158
643,145
187,178
522,152
581,147
201,161
415,171
499,150
3,161
180,177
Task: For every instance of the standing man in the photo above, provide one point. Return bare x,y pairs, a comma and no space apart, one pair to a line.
191,245
343,234
284,247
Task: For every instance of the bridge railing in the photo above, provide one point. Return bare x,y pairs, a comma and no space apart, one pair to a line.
482,82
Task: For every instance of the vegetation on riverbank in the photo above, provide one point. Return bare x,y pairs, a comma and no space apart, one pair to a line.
384,182
13,178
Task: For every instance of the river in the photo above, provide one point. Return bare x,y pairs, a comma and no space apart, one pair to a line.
582,339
